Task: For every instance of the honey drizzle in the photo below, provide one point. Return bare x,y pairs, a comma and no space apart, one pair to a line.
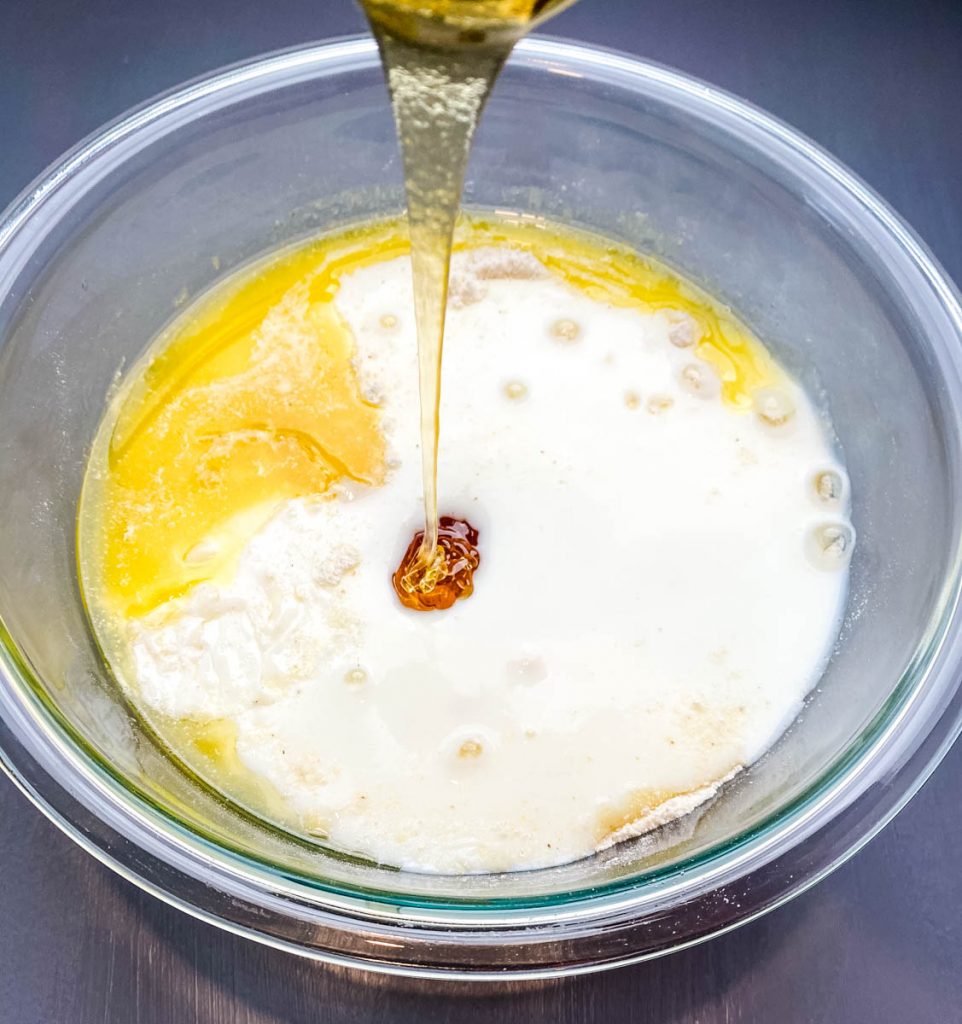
451,577
437,98
441,59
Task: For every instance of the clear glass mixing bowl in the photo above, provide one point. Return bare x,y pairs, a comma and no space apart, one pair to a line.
99,255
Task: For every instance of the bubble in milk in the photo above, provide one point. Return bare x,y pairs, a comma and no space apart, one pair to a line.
515,390
773,406
470,748
657,404
701,380
830,545
388,321
565,330
527,670
682,329
355,676
829,487
202,551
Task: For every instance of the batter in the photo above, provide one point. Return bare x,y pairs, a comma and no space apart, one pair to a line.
662,522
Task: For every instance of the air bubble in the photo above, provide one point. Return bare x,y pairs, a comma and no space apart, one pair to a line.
527,670
773,406
830,545
515,390
829,487
701,380
657,404
388,321
355,676
470,748
682,329
565,330
203,551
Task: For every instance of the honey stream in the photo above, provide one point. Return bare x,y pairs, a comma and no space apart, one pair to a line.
441,59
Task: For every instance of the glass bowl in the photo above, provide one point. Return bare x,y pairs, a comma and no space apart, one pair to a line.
99,254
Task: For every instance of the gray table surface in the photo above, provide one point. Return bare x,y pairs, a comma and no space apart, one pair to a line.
879,84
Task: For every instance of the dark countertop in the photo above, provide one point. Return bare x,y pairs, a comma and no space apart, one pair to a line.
877,83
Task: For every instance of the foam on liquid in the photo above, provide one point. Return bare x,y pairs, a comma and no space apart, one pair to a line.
255,483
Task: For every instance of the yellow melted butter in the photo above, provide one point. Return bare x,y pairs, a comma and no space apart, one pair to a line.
248,400
251,398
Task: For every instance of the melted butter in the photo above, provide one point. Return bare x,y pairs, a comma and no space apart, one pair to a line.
248,400
210,747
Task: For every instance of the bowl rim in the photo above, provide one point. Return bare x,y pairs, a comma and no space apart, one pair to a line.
40,738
